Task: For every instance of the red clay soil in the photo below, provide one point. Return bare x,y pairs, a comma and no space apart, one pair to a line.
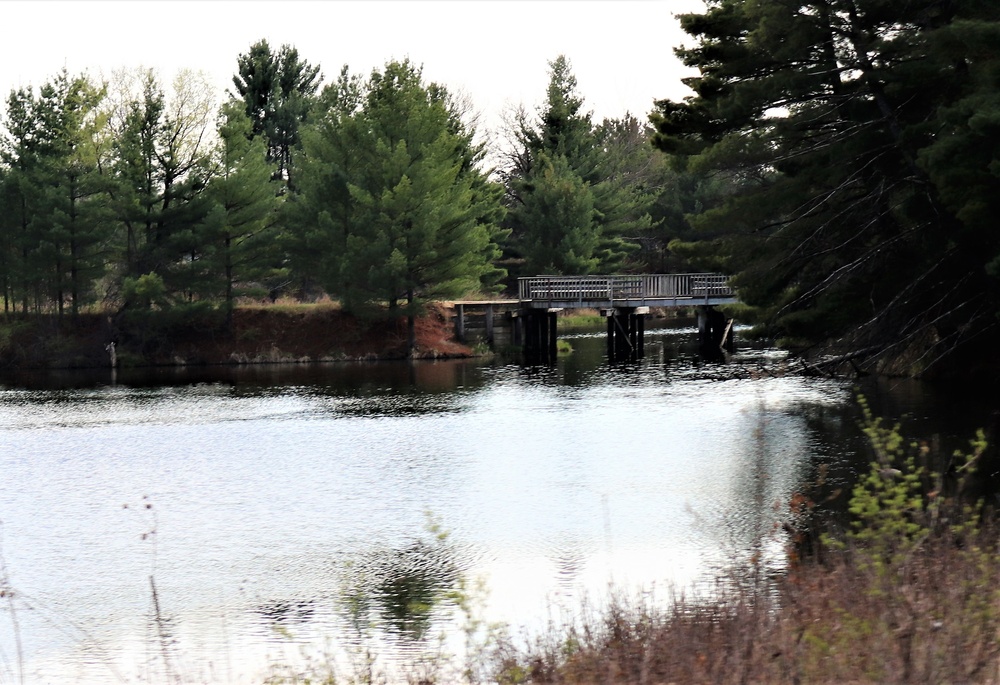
257,335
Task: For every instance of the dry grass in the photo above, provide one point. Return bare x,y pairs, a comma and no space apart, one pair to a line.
932,618
290,305
910,593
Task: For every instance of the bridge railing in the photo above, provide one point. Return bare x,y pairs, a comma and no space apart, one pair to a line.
610,288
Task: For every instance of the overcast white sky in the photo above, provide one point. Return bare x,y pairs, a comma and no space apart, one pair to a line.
497,52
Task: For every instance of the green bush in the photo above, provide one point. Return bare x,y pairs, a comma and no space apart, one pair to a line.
900,502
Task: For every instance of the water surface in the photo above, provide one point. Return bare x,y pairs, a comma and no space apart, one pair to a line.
213,525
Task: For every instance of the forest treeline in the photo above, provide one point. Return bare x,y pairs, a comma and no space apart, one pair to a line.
135,195
838,158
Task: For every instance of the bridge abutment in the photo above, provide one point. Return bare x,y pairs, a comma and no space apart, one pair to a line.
496,323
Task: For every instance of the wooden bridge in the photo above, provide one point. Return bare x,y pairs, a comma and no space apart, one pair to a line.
622,300
649,290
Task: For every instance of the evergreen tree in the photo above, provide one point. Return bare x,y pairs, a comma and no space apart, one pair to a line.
645,180
563,142
316,228
278,90
394,193
237,237
52,195
564,233
8,251
131,167
858,135
23,200
81,217
158,169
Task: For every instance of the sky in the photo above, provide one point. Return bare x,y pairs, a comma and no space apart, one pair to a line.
496,52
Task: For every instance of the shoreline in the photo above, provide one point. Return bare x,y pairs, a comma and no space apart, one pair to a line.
268,335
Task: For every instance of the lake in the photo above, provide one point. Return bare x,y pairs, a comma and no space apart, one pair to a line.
219,525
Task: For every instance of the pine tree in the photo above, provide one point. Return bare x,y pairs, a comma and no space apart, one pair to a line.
158,170
23,200
316,227
52,193
842,123
237,237
563,142
564,234
393,191
81,218
278,90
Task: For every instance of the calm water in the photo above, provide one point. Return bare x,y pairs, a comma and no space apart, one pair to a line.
217,525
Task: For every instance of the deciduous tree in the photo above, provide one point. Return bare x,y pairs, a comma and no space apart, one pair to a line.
158,166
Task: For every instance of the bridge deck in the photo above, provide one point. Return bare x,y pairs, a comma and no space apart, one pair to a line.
649,290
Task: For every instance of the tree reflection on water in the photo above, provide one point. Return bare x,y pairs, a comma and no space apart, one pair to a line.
403,589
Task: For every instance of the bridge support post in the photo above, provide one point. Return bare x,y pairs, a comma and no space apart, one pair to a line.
460,322
540,335
489,324
640,328
517,328
553,349
715,333
626,329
